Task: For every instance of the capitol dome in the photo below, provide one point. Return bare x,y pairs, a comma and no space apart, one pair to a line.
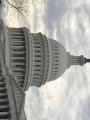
50,59
34,59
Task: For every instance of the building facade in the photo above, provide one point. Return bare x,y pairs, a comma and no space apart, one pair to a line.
28,59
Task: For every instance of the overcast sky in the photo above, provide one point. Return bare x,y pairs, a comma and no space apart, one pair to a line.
67,21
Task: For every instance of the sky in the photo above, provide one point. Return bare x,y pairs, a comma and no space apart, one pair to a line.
68,21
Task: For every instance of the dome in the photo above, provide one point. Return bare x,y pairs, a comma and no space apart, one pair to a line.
60,59
49,59
35,59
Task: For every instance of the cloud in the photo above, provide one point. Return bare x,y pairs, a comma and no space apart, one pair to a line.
54,12
83,109
70,20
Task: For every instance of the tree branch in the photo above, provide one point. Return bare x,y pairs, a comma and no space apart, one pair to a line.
18,9
14,6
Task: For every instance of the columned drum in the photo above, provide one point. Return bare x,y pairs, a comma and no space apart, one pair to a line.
16,53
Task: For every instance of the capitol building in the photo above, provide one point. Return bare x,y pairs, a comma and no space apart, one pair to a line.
28,59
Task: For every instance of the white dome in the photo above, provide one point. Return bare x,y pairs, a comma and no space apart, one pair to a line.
35,59
49,59
60,59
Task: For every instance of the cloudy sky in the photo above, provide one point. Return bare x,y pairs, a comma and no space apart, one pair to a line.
68,21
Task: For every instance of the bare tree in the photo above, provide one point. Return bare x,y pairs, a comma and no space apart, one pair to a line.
19,6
